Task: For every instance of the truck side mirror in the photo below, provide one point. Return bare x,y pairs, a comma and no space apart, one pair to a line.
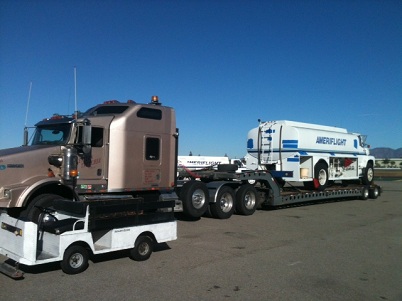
86,136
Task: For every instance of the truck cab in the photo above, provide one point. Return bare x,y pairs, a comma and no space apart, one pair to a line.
112,148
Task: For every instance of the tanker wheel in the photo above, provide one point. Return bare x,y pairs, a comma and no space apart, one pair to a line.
32,213
225,203
368,174
246,199
195,199
320,176
75,260
143,248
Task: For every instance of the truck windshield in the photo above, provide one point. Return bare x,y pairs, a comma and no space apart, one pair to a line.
52,134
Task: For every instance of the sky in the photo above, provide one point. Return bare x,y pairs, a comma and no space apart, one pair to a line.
221,64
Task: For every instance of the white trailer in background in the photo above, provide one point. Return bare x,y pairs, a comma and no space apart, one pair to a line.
315,154
200,162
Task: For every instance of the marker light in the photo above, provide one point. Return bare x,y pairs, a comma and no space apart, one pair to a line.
154,99
73,173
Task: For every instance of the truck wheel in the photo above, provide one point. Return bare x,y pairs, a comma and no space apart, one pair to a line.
224,205
374,193
320,176
75,260
32,213
246,199
368,174
143,248
195,198
365,193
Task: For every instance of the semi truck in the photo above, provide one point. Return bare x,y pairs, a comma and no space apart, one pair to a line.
315,154
106,180
116,149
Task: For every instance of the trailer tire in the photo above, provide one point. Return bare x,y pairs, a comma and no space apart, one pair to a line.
246,199
32,213
195,198
374,192
227,167
75,260
320,176
368,174
143,248
224,205
365,193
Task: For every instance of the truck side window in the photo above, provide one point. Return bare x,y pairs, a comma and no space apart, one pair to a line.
148,113
152,149
97,137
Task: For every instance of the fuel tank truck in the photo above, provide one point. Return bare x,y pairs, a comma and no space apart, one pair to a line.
315,154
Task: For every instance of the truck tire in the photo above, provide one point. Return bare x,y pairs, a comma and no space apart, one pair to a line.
246,199
32,213
195,198
224,205
75,260
320,176
368,174
227,167
143,248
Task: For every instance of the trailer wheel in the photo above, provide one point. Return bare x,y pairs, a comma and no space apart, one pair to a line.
143,248
320,176
368,174
374,192
75,260
224,205
246,199
365,193
194,195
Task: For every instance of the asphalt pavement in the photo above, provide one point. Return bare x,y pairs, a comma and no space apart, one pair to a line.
341,250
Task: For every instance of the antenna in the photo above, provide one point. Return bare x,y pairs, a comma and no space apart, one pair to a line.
25,142
29,98
75,91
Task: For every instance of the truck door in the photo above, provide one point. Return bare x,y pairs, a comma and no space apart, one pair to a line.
93,171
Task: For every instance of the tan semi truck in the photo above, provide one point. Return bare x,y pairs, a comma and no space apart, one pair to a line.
129,150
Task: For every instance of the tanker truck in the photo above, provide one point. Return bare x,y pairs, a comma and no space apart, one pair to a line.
315,154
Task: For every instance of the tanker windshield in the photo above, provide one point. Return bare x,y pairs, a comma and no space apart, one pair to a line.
52,134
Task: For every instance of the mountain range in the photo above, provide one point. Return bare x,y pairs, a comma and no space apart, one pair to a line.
386,152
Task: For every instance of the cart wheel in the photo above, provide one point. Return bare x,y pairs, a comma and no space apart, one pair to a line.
75,260
143,248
